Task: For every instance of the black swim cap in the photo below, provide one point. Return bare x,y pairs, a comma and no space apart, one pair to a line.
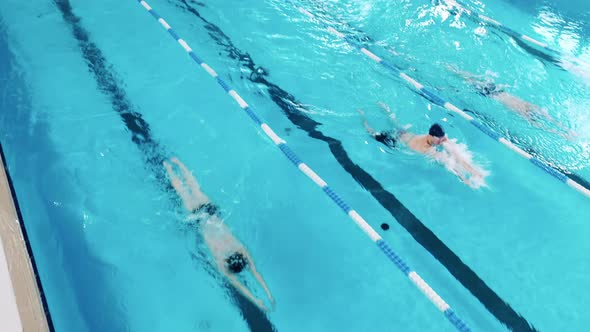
436,131
236,262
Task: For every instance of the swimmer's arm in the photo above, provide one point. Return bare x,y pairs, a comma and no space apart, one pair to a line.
467,166
467,76
245,291
470,168
438,156
259,278
456,70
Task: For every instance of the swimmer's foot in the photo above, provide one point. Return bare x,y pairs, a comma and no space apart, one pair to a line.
570,135
176,183
384,106
452,68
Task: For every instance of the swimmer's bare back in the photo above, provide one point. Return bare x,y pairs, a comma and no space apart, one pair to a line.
219,238
418,143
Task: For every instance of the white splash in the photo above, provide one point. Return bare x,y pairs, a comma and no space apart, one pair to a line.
480,31
457,158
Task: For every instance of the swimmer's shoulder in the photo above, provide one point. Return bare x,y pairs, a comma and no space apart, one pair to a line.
406,136
411,139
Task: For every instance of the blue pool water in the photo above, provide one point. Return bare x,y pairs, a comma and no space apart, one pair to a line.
95,96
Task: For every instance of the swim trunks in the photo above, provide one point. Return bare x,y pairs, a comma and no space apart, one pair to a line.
204,211
488,89
386,137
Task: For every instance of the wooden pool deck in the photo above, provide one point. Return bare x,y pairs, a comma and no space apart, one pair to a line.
21,306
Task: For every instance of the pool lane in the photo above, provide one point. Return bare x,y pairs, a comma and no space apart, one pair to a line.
141,136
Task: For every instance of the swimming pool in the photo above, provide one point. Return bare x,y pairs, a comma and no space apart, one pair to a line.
96,96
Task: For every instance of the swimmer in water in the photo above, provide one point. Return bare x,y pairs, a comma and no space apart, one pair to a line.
420,143
230,255
435,144
532,113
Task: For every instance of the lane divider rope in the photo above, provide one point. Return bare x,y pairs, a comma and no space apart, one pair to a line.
436,99
305,169
482,18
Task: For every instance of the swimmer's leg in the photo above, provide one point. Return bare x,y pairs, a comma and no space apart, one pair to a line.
390,114
397,126
189,178
197,196
539,117
566,133
467,76
180,189
370,130
258,277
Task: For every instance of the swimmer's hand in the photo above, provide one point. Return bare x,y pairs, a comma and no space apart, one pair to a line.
361,112
261,305
273,303
466,180
475,181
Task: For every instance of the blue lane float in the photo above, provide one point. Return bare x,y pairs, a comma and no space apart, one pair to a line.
436,99
290,154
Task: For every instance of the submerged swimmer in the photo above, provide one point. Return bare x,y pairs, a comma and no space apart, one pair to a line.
533,113
230,255
435,144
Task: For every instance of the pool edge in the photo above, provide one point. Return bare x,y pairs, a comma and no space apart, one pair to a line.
27,295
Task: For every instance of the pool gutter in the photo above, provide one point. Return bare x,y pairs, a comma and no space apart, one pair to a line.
21,305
